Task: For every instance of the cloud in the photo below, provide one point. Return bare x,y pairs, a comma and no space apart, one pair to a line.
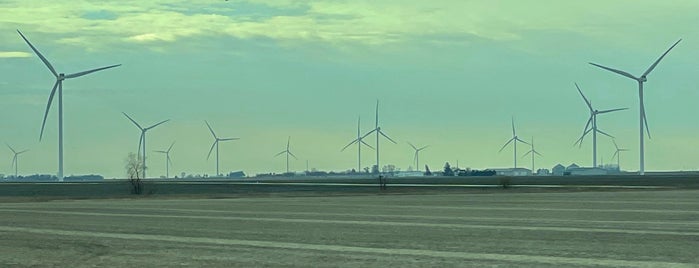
14,54
356,22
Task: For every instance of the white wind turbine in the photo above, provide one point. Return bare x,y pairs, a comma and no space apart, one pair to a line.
58,85
215,144
416,158
359,140
617,153
642,111
167,159
15,160
288,153
516,140
532,152
142,139
593,121
378,131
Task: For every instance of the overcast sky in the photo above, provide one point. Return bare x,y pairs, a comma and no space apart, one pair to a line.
449,74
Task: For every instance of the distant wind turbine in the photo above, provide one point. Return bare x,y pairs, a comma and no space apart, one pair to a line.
167,159
593,121
516,140
288,153
15,160
378,131
642,111
532,152
617,153
142,139
416,158
215,144
58,85
359,141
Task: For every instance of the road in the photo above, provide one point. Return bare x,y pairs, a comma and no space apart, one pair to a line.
489,229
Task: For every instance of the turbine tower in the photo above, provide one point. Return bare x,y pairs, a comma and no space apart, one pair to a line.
215,144
142,139
378,131
516,140
642,110
167,159
416,158
359,140
14,158
593,121
58,85
288,153
532,152
617,153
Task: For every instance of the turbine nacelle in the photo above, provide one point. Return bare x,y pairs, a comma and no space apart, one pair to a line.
642,79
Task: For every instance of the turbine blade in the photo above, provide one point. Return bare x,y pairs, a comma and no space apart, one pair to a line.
623,150
612,110
140,141
615,71
411,145
513,127
362,141
11,149
170,148
169,160
661,57
133,121
211,150
525,154
290,153
508,142
349,144
580,140
14,160
161,122
377,114
23,151
587,125
423,147
368,133
212,131
537,153
228,139
48,106
615,146
519,140
280,153
604,133
589,105
382,134
162,152
74,75
645,121
288,141
615,153
46,62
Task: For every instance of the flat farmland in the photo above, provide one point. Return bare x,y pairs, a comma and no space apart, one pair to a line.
658,228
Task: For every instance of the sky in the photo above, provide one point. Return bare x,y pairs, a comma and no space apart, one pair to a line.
448,73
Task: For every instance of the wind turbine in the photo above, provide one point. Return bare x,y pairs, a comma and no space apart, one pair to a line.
167,159
515,139
378,131
642,110
58,85
287,152
14,158
215,144
417,154
532,152
593,120
617,153
359,140
142,139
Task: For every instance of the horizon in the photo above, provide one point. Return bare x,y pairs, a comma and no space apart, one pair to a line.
450,77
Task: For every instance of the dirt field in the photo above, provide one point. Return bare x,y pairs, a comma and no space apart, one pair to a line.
500,229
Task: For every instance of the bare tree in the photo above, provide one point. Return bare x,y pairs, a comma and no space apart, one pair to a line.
134,166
